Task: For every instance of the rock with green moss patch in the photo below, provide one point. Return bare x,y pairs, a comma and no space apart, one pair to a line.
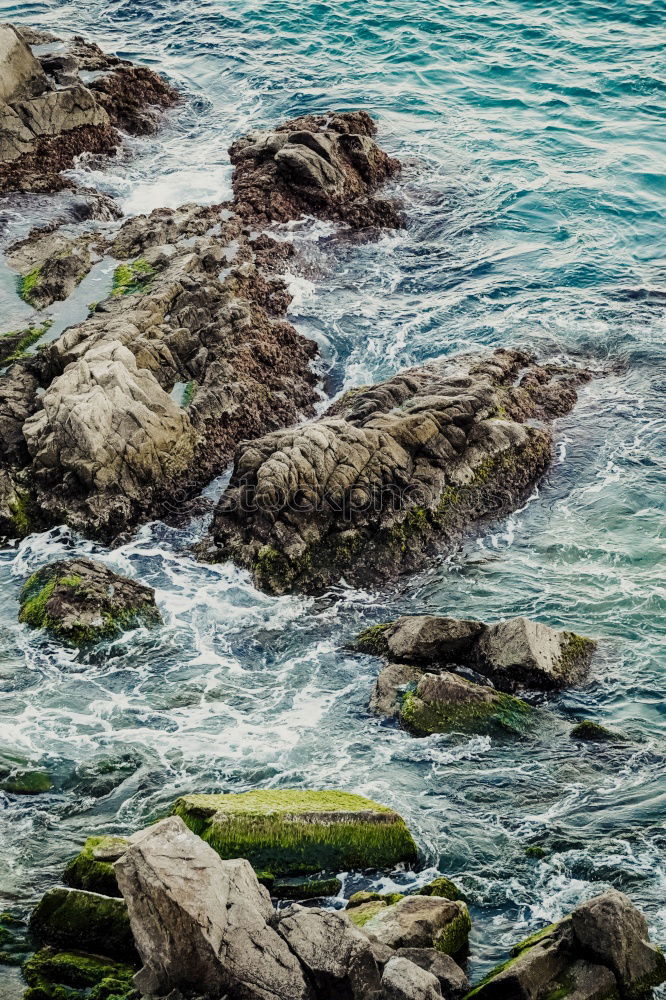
20,776
61,975
302,888
72,918
15,344
82,602
294,832
421,922
442,887
536,851
391,475
592,732
601,951
445,702
361,914
92,868
132,277
14,943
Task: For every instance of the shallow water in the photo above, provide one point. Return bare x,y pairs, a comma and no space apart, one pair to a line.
535,202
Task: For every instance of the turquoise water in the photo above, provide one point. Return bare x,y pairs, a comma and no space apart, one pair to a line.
533,138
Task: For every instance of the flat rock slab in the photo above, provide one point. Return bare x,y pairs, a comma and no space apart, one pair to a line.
292,832
80,602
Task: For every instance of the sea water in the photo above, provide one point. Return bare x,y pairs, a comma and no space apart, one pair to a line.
533,183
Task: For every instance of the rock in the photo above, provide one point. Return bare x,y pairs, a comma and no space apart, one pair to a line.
445,702
24,781
326,165
600,951
523,653
337,956
80,601
592,732
51,974
452,980
48,116
422,922
361,914
294,832
21,75
611,931
383,480
429,639
403,980
297,889
71,918
15,945
368,896
202,923
391,685
92,868
51,265
442,887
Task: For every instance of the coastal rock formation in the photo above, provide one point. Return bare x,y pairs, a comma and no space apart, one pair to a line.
73,919
325,165
129,413
601,951
292,832
391,473
49,116
80,601
201,923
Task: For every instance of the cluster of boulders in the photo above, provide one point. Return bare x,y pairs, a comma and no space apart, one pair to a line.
448,674
201,924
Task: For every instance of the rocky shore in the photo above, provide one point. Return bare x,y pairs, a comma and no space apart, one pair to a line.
186,364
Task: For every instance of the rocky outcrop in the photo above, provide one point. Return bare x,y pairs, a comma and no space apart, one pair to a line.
80,602
325,165
292,832
128,414
392,473
601,951
49,116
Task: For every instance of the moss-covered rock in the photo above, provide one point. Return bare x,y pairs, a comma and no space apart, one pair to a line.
368,896
15,344
14,946
592,732
294,832
92,868
364,912
69,975
453,938
442,887
19,776
86,921
445,702
82,602
131,277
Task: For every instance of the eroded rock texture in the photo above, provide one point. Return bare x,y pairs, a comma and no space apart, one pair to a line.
391,472
326,165
49,115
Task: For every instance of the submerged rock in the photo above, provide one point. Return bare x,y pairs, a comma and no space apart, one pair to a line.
601,951
201,923
444,702
86,921
48,116
292,832
327,165
396,472
80,601
592,732
20,776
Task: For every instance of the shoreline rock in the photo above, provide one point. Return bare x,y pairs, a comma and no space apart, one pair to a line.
392,473
80,602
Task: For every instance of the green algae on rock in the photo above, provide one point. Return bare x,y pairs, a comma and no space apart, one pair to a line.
298,889
592,732
14,345
92,868
70,975
445,702
86,921
14,944
134,276
294,832
19,776
442,887
82,602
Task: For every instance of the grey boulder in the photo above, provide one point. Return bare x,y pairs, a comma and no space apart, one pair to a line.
452,980
202,923
402,980
422,922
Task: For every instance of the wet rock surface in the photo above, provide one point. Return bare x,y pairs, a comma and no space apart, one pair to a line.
80,601
391,474
49,116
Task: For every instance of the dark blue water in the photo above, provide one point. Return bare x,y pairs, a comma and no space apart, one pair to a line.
533,138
